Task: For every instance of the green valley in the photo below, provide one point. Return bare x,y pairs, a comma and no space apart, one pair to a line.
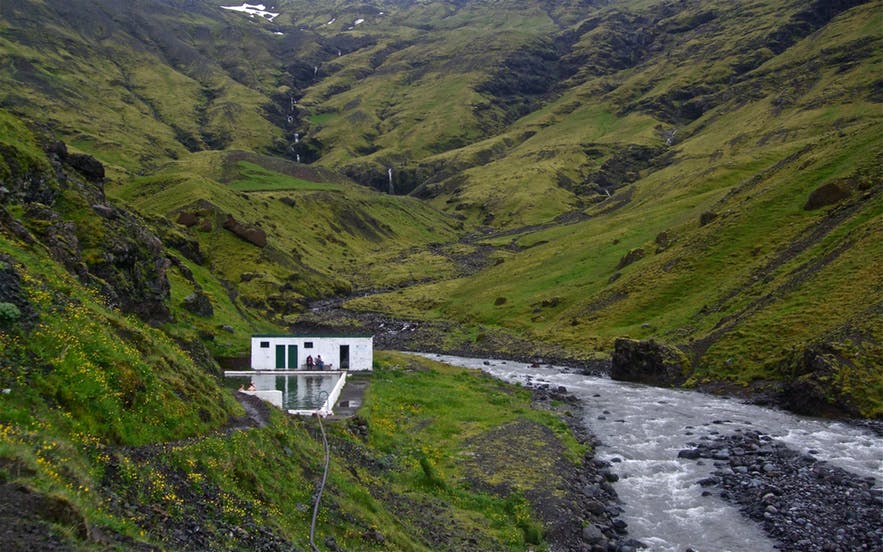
570,180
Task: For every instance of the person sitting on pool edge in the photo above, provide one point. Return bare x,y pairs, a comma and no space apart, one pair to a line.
320,364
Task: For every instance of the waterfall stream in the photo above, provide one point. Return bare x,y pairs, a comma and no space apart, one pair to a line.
641,430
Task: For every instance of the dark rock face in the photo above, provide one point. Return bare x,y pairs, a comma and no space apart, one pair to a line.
527,74
251,234
87,166
27,182
112,250
135,268
188,247
199,304
706,218
632,256
810,392
187,219
625,166
803,503
11,292
648,362
59,236
25,520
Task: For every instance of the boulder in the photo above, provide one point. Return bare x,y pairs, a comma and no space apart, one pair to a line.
187,219
199,304
826,194
812,389
251,234
87,166
593,535
630,257
649,362
105,211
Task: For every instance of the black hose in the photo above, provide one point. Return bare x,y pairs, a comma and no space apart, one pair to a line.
321,486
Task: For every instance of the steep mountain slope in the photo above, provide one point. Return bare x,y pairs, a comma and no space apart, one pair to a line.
139,84
725,191
700,173
277,233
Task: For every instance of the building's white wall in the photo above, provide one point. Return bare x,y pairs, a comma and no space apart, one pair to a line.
361,351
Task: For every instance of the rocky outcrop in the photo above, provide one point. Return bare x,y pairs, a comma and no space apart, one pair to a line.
199,304
249,233
12,293
632,256
25,179
106,247
812,390
87,166
707,217
649,362
826,194
625,165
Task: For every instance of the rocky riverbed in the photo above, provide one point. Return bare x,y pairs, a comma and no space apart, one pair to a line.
587,518
803,503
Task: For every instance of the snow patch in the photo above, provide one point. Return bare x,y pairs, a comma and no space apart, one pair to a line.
253,10
359,21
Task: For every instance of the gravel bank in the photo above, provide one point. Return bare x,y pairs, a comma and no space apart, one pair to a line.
805,504
587,518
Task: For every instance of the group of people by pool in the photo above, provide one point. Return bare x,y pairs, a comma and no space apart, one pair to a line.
317,364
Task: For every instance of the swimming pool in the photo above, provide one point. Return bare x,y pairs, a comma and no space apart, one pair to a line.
297,394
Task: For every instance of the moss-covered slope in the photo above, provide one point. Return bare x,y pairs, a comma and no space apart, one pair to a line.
116,431
702,174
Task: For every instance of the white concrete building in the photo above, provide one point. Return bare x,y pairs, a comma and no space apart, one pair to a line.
290,352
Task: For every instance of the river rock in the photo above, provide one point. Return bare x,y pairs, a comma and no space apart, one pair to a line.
801,502
595,507
593,535
690,454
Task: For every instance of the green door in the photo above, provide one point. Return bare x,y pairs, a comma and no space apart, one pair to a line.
280,357
292,357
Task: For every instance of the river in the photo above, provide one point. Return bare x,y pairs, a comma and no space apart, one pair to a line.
643,428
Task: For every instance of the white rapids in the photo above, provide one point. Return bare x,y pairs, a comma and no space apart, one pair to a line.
643,428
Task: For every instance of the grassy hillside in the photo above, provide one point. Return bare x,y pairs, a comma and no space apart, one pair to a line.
314,233
706,175
116,433
175,176
753,213
90,396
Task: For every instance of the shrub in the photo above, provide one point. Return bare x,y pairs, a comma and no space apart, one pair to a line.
9,313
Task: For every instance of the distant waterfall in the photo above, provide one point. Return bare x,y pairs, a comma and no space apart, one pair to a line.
392,190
